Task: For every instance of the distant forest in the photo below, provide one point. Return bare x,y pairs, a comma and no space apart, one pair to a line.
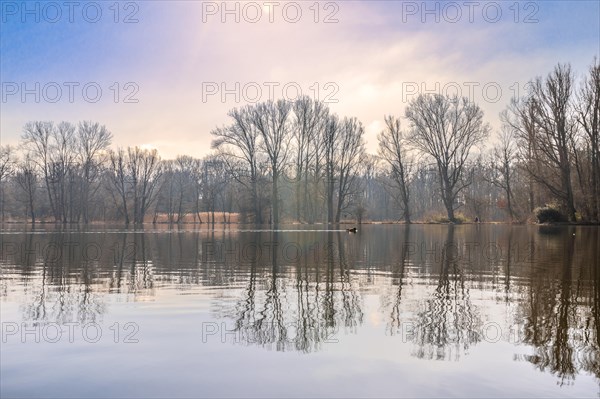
284,162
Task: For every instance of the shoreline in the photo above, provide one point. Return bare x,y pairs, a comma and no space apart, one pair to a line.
343,223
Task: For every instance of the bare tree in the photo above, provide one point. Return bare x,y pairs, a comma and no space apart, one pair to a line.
329,140
197,184
68,159
36,142
63,170
519,115
93,142
177,189
555,130
184,166
167,194
52,148
240,141
272,121
26,179
367,177
214,178
119,180
309,116
145,170
6,162
7,166
588,117
447,128
350,152
502,166
393,149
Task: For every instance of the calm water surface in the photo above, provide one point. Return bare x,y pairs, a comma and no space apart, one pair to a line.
426,311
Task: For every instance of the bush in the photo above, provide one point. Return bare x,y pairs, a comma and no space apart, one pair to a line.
461,218
549,215
443,218
438,218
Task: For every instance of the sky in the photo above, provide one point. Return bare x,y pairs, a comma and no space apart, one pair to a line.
163,74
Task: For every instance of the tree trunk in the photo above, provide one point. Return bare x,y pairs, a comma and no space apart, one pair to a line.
255,199
338,211
566,176
406,212
330,188
275,200
447,195
595,183
31,210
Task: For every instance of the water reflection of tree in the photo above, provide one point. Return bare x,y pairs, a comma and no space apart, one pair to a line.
304,312
66,275
132,271
395,323
261,320
590,356
448,320
55,298
270,325
560,314
351,309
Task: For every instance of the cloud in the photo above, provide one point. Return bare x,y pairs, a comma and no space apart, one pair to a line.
369,59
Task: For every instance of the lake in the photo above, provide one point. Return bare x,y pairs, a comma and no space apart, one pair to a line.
392,311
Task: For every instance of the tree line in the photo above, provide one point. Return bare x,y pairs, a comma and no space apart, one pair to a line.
281,161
